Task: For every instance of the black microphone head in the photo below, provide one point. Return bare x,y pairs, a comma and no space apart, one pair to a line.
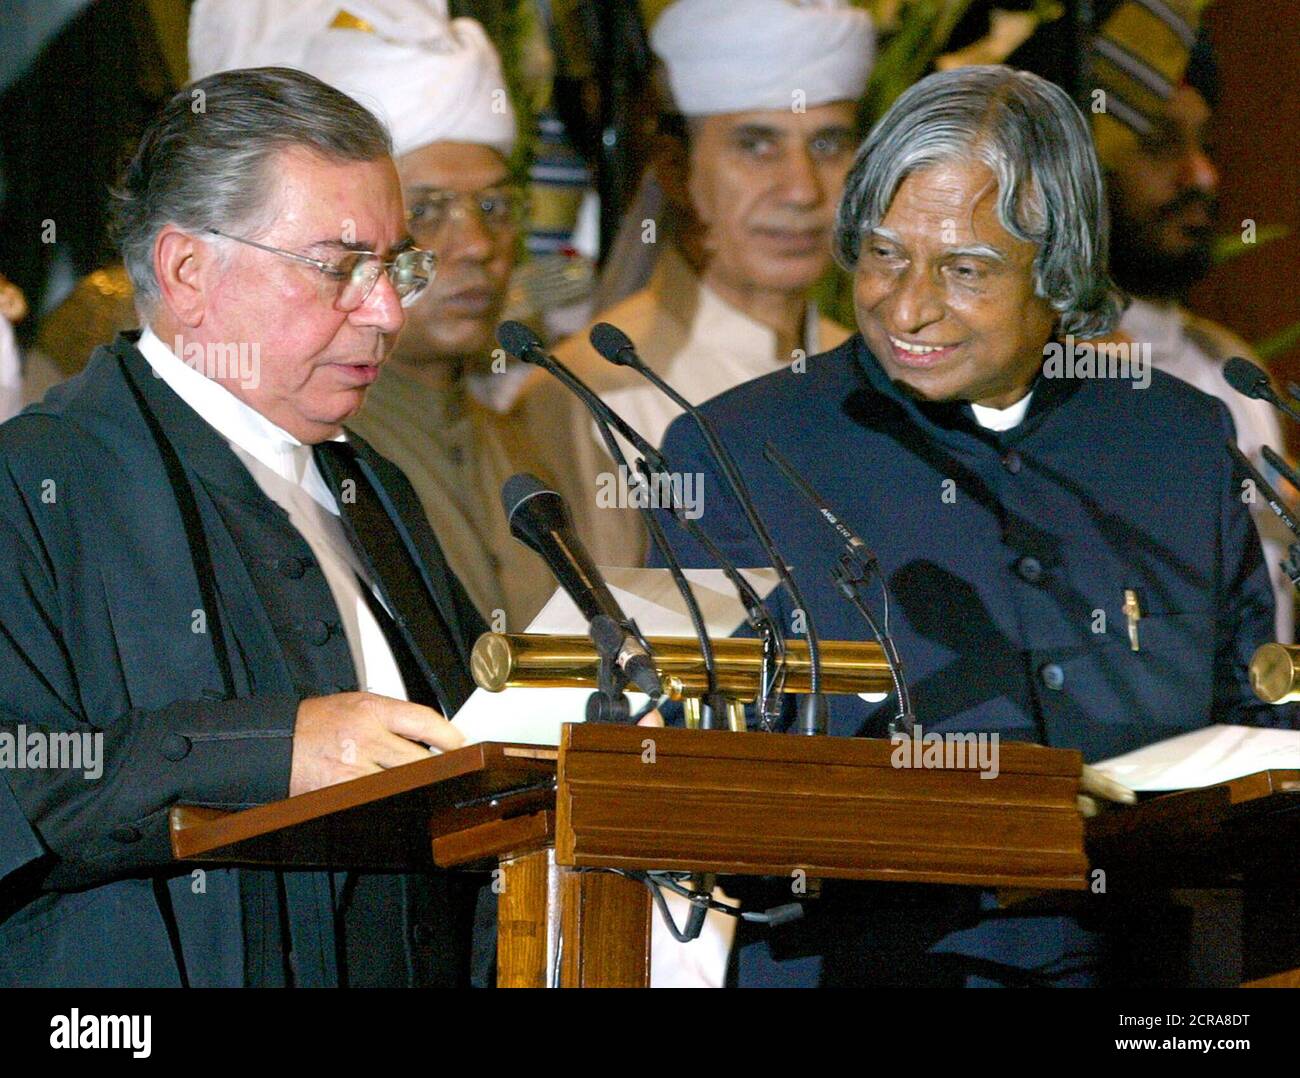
517,339
612,343
533,509
1246,378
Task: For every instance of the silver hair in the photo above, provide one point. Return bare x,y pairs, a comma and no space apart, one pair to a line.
1036,142
206,160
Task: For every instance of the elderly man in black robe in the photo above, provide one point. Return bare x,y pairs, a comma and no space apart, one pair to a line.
203,571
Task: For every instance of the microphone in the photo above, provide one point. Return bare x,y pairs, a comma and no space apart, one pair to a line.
539,518
1291,564
1281,466
615,345
1250,381
1271,496
524,344
854,545
854,570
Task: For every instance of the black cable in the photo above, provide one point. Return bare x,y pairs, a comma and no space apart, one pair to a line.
525,345
615,346
771,674
660,541
656,881
849,586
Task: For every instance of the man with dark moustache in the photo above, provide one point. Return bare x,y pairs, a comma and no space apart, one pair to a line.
1151,83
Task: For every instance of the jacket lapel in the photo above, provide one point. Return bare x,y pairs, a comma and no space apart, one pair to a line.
204,451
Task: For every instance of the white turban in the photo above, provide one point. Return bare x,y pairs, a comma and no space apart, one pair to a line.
429,78
742,55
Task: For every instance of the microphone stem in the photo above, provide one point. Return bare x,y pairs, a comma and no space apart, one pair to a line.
595,406
813,714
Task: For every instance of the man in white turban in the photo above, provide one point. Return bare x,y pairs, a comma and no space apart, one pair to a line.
751,164
438,85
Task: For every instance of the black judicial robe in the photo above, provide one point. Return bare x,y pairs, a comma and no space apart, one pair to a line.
1008,558
105,627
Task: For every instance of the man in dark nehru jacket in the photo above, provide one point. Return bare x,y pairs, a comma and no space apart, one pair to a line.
1068,557
214,588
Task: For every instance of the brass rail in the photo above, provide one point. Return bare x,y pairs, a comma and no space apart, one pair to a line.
514,660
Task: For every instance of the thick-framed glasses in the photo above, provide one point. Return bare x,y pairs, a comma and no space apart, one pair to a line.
499,208
356,273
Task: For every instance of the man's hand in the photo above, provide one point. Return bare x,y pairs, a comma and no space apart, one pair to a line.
13,304
1097,787
351,734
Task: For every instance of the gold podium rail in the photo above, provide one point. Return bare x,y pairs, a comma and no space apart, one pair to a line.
534,660
1275,673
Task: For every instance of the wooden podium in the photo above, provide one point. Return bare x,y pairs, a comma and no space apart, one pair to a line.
1240,836
633,799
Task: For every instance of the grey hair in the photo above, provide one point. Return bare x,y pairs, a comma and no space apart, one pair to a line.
1036,142
205,160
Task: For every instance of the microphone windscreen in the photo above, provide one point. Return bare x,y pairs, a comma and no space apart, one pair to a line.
518,489
517,339
611,342
1246,378
535,512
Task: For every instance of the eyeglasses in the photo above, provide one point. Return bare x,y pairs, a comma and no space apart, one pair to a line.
500,208
357,272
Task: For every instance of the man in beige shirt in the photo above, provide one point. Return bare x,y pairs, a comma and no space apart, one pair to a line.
751,165
752,169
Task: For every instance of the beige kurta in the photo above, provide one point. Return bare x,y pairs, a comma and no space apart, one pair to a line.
691,337
457,454
1195,350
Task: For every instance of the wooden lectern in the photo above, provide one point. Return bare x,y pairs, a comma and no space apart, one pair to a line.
642,798
1239,836
632,799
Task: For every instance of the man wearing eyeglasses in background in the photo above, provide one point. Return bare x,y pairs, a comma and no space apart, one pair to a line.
441,410
220,595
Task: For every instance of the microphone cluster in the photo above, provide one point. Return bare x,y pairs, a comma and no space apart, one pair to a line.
1275,668
539,518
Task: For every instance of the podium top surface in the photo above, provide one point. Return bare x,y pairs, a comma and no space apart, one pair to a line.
849,788
381,821
1211,836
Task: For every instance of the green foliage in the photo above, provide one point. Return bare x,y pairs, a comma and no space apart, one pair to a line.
921,34
1232,245
1279,343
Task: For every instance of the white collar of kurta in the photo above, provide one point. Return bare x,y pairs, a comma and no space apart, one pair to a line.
1159,323
715,320
1002,418
242,426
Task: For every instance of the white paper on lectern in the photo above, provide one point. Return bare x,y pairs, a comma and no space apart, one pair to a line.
651,599
1205,757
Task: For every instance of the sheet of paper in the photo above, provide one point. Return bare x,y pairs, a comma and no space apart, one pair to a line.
1205,757
648,596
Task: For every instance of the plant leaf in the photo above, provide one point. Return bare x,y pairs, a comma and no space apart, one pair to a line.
1232,245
